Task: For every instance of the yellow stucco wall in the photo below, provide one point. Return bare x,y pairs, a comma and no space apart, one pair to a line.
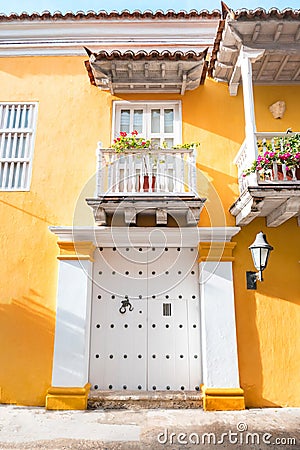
268,318
72,117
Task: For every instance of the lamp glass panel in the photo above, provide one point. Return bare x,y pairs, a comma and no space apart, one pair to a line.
264,257
260,257
256,256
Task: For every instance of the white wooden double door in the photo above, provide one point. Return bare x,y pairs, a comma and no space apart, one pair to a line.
152,343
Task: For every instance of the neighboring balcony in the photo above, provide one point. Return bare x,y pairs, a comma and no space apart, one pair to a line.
273,193
158,183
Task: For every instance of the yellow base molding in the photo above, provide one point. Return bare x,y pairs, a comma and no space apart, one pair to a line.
216,251
67,397
76,250
226,399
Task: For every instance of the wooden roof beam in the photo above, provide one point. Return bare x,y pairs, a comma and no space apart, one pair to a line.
228,48
179,70
114,70
296,74
224,65
278,32
256,32
281,67
146,70
262,67
235,80
183,86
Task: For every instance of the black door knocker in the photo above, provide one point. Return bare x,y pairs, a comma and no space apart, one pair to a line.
124,304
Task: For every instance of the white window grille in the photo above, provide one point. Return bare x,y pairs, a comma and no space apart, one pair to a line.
159,122
17,133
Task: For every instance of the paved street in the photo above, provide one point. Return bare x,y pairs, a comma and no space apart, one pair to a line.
36,428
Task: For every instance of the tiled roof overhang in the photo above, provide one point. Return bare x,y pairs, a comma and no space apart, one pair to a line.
276,33
79,15
156,71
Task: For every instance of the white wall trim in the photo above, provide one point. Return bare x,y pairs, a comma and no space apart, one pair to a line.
146,236
72,330
67,37
219,345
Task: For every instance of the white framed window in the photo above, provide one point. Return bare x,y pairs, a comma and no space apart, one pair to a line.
17,134
158,121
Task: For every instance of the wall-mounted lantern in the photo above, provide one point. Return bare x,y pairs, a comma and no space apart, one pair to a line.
260,251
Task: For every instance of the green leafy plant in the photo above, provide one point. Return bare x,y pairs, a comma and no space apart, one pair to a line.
179,146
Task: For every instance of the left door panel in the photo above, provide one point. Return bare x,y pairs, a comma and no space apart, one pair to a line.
118,354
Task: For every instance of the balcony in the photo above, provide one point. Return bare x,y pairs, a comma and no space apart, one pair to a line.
146,182
274,194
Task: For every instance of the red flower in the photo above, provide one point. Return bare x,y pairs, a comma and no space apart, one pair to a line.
143,143
123,133
134,133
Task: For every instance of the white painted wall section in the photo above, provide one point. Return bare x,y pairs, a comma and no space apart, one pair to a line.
72,333
220,363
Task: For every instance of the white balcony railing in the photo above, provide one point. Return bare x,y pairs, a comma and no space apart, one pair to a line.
279,173
144,172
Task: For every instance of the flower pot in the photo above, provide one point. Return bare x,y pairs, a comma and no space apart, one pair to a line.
289,175
146,183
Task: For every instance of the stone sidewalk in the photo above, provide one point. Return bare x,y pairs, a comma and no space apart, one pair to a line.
35,428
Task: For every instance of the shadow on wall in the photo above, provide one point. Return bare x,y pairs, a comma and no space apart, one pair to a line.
220,190
27,337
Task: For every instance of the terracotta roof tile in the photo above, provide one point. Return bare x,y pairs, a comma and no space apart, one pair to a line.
79,15
262,14
153,54
216,47
90,73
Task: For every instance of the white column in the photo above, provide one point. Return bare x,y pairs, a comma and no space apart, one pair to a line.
219,351
72,332
100,171
245,61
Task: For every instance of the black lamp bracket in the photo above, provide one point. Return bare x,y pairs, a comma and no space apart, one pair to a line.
252,278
